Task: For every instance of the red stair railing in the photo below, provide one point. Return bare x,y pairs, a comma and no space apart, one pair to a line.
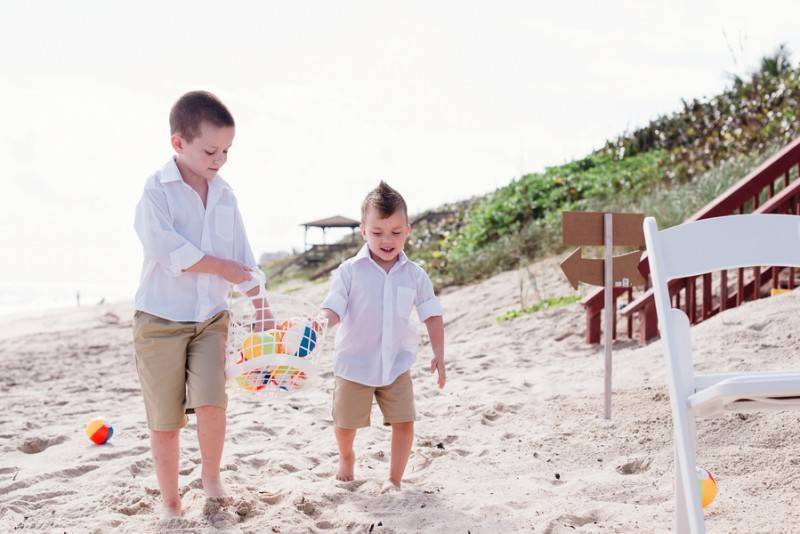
755,193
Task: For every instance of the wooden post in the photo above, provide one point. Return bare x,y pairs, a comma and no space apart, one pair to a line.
740,287
756,283
609,305
630,315
593,328
723,290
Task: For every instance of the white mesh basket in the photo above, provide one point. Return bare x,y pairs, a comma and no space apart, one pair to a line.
278,358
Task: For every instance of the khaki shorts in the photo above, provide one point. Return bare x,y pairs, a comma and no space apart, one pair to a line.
181,366
352,402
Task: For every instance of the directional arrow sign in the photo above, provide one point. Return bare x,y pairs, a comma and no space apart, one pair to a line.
586,228
590,271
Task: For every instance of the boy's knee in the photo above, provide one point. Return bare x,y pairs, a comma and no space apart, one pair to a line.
209,410
165,435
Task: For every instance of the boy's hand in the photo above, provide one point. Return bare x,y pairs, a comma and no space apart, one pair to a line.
437,364
234,272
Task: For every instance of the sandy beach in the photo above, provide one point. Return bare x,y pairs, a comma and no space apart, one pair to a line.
515,443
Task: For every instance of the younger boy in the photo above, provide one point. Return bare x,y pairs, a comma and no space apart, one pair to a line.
372,295
195,247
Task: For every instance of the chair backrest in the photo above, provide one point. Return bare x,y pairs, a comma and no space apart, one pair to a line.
726,243
706,246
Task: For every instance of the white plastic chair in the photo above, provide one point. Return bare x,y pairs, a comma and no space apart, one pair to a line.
701,247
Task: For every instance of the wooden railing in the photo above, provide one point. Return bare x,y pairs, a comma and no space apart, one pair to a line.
771,188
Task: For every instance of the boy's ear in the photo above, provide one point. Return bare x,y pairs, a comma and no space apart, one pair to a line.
363,230
177,143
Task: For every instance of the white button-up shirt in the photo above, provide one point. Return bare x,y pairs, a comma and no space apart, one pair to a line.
377,340
176,232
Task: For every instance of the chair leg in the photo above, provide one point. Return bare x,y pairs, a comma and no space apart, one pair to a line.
680,517
688,515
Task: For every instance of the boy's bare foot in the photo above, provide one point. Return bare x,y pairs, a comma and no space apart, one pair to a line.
214,488
171,509
390,486
346,468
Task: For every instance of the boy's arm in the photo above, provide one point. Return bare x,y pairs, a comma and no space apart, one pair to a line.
243,253
232,271
158,236
332,317
435,326
430,312
163,243
335,304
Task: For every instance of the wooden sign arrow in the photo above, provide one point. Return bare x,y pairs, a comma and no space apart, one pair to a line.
586,228
590,271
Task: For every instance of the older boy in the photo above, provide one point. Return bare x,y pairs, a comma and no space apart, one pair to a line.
195,247
372,294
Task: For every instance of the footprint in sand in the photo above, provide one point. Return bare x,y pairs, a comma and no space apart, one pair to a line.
634,467
136,451
140,466
270,498
309,508
569,522
180,524
289,468
70,472
489,417
139,507
423,463
187,470
218,513
37,445
351,486
379,455
258,427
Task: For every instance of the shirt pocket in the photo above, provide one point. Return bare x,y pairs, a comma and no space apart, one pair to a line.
223,222
404,301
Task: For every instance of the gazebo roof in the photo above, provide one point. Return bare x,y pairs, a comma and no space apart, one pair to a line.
337,221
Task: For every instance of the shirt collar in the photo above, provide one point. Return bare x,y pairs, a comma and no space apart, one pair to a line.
364,254
170,173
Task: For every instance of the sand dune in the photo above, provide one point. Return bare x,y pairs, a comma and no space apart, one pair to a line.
515,443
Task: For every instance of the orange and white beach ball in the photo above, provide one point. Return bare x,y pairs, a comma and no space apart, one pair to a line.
708,486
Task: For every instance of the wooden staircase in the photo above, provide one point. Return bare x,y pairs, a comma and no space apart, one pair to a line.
771,188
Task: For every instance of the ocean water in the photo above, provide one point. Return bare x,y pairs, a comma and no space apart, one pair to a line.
29,299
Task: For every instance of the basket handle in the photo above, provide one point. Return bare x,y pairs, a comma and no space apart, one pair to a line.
259,275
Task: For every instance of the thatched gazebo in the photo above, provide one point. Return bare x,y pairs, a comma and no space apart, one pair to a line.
337,221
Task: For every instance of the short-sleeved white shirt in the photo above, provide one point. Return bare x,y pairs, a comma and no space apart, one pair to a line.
176,232
377,340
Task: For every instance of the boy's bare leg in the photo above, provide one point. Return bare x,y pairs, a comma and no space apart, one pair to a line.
402,440
165,447
211,435
347,458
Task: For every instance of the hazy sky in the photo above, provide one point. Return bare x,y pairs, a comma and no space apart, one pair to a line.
444,100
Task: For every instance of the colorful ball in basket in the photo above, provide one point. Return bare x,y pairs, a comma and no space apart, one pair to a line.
299,337
261,343
284,377
98,431
708,486
250,381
